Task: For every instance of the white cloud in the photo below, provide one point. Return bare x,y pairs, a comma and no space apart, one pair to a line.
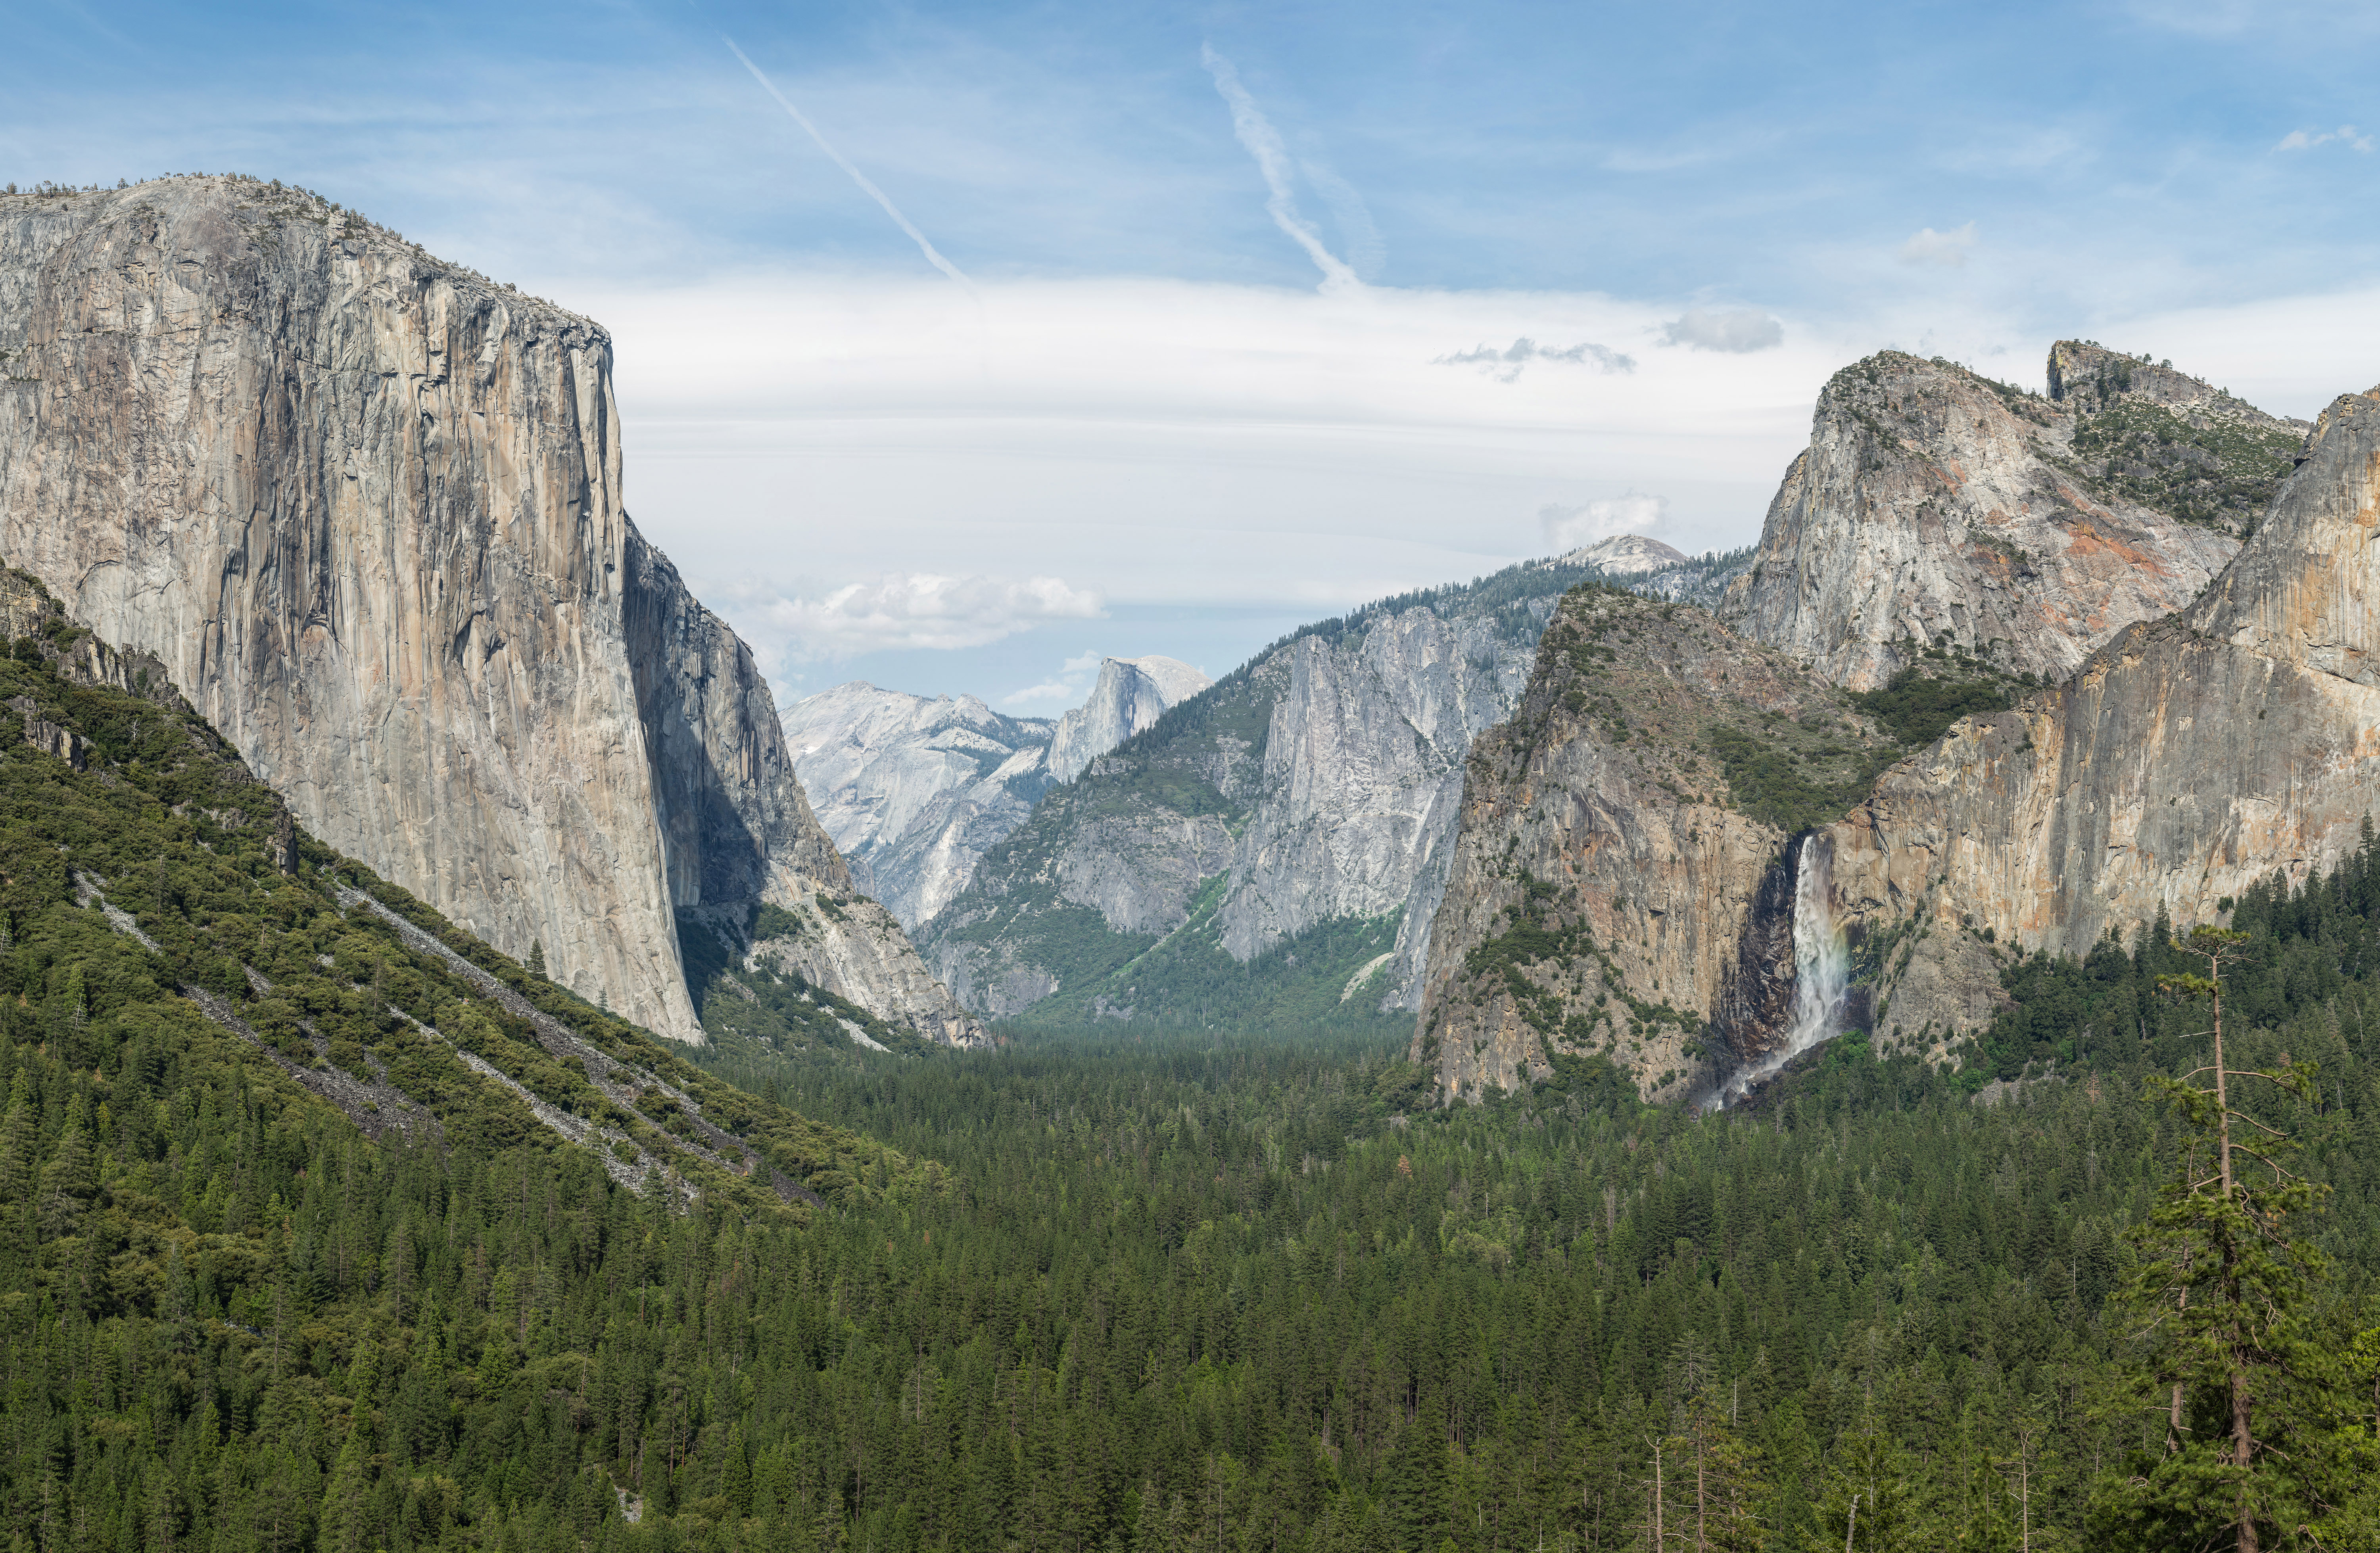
1263,142
2306,140
1283,451
926,609
1505,365
1945,251
1053,693
1567,529
1737,330
1068,688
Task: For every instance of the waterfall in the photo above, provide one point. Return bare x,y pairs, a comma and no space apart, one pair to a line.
1821,965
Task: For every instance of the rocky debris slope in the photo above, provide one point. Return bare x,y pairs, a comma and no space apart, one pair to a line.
363,506
2190,757
915,791
1934,506
190,909
1282,831
1619,836
1131,694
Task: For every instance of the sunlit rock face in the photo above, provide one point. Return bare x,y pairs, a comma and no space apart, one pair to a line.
2190,757
1607,896
914,789
1130,695
1934,506
365,506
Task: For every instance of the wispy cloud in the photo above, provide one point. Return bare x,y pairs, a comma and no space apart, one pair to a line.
1945,251
1568,529
2306,140
1366,254
925,610
1505,365
1264,144
933,255
1733,330
1069,685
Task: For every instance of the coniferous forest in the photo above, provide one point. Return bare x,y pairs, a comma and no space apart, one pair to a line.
323,1227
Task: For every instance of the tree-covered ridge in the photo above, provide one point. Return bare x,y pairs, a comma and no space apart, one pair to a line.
1166,1296
2219,473
298,1184
1229,1296
1199,767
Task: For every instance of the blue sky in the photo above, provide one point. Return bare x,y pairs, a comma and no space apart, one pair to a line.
1148,396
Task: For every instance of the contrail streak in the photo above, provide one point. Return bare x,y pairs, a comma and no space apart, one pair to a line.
1263,142
933,256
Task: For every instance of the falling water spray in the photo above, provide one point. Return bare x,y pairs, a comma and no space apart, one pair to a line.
1821,965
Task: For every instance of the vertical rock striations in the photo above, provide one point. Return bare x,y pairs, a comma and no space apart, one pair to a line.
1273,848
2190,757
1131,694
1619,888
1937,507
365,509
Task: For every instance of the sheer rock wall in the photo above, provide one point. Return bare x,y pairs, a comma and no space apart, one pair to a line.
2190,757
365,507
1935,505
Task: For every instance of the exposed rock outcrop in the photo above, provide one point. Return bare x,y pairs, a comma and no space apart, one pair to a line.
1661,571
914,789
1937,506
1313,791
363,507
1624,554
1131,694
2190,757
1610,895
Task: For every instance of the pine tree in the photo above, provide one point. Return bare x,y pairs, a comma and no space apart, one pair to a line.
2221,1304
537,959
19,1143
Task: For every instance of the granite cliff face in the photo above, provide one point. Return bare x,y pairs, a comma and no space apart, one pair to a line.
2190,757
1131,694
1613,894
364,507
1362,774
915,791
1937,508
1282,834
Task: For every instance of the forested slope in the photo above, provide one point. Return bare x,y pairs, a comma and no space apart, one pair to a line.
332,1285
321,1223
1257,1296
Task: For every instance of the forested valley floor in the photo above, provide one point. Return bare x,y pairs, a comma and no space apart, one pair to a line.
297,1250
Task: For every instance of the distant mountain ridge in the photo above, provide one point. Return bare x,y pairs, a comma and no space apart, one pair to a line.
914,789
1274,845
1660,571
